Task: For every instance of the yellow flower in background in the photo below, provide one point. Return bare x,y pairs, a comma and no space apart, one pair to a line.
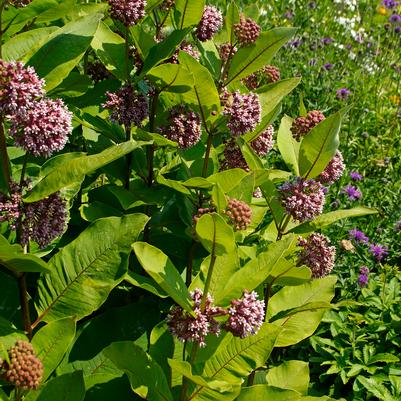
382,10
395,99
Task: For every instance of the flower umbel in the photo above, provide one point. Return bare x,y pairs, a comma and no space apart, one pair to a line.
239,213
317,254
303,125
210,24
246,315
333,171
129,12
247,31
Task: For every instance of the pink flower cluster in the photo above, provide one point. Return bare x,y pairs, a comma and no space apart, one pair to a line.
333,171
245,317
195,329
129,12
317,254
210,24
302,199
303,125
187,48
239,213
10,205
268,74
243,112
127,106
24,370
20,3
39,125
247,31
226,51
184,128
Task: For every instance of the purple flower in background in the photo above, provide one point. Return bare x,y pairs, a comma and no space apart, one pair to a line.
328,66
327,41
295,43
358,236
312,5
343,94
390,4
397,29
289,14
378,251
363,278
353,193
355,176
395,18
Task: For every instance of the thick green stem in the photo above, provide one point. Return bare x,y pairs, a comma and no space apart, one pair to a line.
23,294
128,158
207,155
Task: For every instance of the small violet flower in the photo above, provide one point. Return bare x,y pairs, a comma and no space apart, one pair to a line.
343,94
358,236
353,193
378,251
355,176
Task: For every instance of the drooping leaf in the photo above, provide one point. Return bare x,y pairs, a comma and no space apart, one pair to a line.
74,170
93,264
68,387
320,145
110,48
299,326
261,392
215,234
145,375
13,258
188,12
252,58
51,343
329,218
163,272
288,146
290,375
145,283
64,49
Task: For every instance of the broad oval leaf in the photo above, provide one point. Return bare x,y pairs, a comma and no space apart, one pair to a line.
162,270
52,341
288,146
254,57
74,170
64,50
188,12
171,78
93,264
320,145
145,375
215,234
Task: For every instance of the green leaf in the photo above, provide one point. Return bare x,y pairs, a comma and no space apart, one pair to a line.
320,145
188,12
93,264
237,358
52,341
65,48
383,357
185,369
301,325
13,258
215,234
171,78
74,85
262,392
73,170
163,50
219,198
228,179
288,146
270,263
145,375
205,91
270,98
20,46
329,218
145,283
97,370
110,48
232,17
376,388
68,387
3,396
290,375
9,300
163,272
254,57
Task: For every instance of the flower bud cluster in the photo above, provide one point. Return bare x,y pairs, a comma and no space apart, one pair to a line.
239,213
187,48
333,171
19,3
210,24
129,12
317,254
184,128
247,31
24,369
243,112
245,317
302,199
226,51
38,125
303,125
267,75
127,106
